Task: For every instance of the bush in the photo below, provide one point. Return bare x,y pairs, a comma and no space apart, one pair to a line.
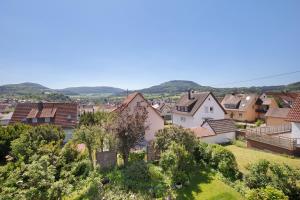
177,162
259,122
268,193
136,174
201,153
282,177
223,160
136,156
257,176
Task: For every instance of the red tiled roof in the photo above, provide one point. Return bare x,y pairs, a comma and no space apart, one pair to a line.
294,114
129,98
63,114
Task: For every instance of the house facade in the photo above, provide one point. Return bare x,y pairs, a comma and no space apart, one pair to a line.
154,121
277,116
241,107
193,109
64,115
294,118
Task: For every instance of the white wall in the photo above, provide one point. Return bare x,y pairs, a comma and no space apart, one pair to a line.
198,118
68,134
220,138
296,131
154,120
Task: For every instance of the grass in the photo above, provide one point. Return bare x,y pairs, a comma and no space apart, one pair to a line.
245,156
205,185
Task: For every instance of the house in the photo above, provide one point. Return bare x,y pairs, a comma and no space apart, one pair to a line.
86,108
264,103
5,118
294,117
64,115
241,107
154,121
193,109
165,110
284,99
216,131
277,116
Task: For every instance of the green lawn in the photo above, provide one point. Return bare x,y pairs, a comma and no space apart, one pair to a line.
244,156
205,186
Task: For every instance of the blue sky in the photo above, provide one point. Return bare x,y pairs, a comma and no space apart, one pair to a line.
135,44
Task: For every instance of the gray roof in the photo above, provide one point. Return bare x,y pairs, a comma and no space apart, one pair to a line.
241,101
220,126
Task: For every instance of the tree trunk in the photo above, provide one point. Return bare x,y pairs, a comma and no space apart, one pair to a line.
125,158
91,157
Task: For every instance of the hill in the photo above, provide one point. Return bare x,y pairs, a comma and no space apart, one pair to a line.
175,86
91,90
23,88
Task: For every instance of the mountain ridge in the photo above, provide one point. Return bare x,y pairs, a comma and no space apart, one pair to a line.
170,87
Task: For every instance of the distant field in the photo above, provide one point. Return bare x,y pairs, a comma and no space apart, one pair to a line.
244,156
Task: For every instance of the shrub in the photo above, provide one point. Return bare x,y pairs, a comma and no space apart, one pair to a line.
268,193
259,122
224,161
137,175
201,152
282,177
177,162
136,156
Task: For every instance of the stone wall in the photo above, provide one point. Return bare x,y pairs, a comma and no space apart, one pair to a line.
152,154
106,159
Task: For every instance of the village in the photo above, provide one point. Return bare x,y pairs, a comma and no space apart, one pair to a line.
268,122
150,100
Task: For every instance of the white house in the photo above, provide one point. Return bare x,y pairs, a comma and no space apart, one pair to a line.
154,121
194,108
294,117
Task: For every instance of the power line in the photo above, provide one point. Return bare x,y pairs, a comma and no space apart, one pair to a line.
259,78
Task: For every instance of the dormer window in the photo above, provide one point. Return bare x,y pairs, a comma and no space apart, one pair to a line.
69,117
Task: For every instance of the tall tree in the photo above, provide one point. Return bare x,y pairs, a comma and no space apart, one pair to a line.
130,127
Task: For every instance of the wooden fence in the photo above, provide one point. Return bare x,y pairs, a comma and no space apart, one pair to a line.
271,136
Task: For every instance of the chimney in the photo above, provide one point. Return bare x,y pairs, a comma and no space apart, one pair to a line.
190,94
40,106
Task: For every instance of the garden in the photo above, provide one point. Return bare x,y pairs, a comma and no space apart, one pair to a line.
36,164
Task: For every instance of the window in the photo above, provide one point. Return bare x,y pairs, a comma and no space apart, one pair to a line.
138,104
211,109
34,120
47,119
240,115
69,117
182,119
206,109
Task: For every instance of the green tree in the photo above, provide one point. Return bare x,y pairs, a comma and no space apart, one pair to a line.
179,135
7,135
